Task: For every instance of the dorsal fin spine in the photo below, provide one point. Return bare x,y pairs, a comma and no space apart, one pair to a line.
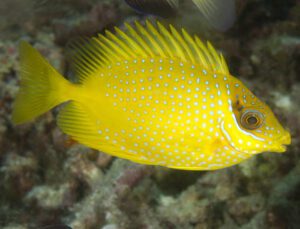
160,39
151,40
117,50
214,55
84,60
205,51
96,56
167,35
110,52
202,56
194,46
185,46
145,42
101,57
177,47
224,64
136,45
140,41
122,44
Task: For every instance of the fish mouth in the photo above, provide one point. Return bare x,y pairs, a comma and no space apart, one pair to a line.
281,149
284,141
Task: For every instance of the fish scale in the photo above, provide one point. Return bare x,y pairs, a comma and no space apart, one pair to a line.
172,109
153,96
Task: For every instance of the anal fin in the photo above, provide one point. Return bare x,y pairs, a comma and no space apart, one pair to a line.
75,120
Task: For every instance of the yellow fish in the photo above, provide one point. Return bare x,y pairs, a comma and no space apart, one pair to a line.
154,96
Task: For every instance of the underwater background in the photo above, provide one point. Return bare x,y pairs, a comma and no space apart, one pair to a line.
47,179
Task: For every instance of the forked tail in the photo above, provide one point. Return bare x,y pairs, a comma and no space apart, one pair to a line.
42,87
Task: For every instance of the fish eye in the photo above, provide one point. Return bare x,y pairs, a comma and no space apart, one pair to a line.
252,119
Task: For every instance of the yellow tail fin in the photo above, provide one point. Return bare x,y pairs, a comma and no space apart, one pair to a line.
42,87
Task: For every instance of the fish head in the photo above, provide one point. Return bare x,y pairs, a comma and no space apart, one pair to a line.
251,126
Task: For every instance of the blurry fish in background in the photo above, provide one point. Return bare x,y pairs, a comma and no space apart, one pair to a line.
162,8
220,14
56,226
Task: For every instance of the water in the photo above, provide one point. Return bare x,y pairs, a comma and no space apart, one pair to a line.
48,180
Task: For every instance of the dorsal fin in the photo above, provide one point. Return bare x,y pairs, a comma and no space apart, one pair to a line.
144,42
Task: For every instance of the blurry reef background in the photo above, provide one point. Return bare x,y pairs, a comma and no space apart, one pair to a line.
47,179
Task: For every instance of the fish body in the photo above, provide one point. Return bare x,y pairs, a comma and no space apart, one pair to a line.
140,98
163,111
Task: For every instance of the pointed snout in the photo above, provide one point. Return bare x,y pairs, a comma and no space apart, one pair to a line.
284,140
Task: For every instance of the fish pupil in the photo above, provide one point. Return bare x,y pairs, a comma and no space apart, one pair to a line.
252,120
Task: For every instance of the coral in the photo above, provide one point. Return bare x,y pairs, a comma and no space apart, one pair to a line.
284,202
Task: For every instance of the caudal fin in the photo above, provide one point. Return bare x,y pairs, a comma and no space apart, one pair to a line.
42,87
